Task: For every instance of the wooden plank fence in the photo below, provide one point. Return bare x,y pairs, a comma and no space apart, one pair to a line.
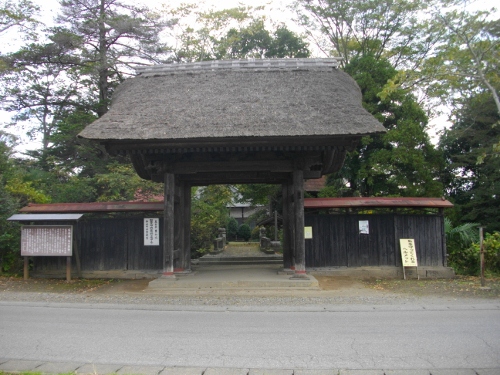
111,244
117,243
337,242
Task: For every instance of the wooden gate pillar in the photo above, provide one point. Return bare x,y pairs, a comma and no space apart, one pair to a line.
287,250
298,209
185,203
178,227
288,240
169,224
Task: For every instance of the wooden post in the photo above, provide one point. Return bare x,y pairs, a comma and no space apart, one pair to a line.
287,250
178,227
168,225
443,239
26,268
186,202
68,269
298,208
481,255
276,225
77,253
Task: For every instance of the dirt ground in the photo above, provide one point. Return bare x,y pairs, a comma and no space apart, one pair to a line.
459,287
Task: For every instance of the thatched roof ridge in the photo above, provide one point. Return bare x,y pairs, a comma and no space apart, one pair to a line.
248,64
242,99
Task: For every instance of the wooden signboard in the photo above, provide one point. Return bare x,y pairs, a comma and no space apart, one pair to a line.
151,232
47,240
408,254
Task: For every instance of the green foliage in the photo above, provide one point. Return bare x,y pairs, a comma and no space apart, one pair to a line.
230,34
258,194
108,36
462,235
232,228
25,192
380,28
9,231
466,261
244,232
328,192
69,153
459,239
473,187
121,183
17,14
208,213
466,56
401,162
254,41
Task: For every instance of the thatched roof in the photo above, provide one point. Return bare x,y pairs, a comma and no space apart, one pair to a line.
244,99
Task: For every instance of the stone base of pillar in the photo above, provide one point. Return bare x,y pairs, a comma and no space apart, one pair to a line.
182,271
168,275
300,273
286,271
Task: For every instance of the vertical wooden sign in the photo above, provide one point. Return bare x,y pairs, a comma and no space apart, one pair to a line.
408,254
151,232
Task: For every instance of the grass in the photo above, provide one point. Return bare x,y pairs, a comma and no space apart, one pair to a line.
460,286
52,285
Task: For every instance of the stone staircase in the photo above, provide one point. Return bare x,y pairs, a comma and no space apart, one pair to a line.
241,253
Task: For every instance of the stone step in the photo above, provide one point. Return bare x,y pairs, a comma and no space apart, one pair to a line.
218,259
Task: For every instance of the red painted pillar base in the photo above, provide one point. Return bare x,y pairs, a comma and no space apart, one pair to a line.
300,273
182,271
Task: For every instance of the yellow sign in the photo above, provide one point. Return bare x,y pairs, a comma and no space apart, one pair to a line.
408,252
308,233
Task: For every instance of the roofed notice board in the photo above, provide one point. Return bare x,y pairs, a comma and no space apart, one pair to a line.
46,240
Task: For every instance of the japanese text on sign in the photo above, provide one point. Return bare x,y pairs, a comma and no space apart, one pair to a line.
408,252
152,232
46,240
364,227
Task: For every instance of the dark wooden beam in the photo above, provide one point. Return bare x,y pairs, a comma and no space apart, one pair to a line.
233,166
298,208
202,179
169,225
242,144
186,202
287,232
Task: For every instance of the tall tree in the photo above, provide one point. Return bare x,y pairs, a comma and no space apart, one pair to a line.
466,60
231,34
255,41
381,28
20,14
401,162
40,93
474,187
110,38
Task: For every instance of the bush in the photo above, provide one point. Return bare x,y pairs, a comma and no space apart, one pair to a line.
244,232
232,228
466,261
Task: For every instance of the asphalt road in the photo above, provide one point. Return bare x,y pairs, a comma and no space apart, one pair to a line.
360,337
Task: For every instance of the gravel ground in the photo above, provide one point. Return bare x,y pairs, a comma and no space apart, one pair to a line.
334,291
